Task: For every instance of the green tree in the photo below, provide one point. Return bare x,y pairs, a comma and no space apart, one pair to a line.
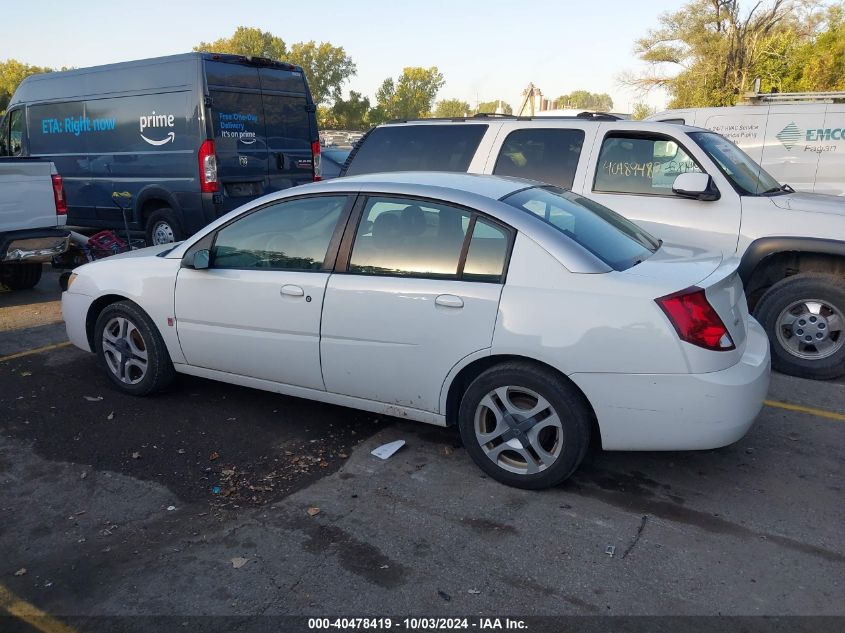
409,97
247,41
449,108
707,53
585,100
823,62
12,72
327,68
490,107
642,111
326,120
351,114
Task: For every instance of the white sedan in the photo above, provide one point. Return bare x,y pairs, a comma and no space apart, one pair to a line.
534,319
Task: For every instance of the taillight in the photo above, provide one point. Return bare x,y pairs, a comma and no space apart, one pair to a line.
208,168
59,195
316,161
695,320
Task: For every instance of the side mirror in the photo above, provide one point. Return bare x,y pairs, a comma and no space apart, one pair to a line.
198,260
697,186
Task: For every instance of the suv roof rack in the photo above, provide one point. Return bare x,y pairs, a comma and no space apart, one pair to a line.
792,97
593,116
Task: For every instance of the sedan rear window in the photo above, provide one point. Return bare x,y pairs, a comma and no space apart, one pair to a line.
616,241
417,148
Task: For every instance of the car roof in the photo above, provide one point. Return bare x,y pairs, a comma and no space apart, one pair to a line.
493,187
548,122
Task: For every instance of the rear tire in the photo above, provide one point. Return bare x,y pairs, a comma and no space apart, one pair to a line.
131,350
524,425
804,316
163,227
20,276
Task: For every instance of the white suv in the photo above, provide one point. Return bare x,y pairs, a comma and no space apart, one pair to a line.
683,184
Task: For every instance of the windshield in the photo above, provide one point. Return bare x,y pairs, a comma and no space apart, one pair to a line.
747,177
614,240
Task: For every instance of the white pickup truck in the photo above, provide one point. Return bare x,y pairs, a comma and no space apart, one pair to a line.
32,218
684,185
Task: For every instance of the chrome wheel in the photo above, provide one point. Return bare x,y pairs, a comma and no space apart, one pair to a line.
810,329
518,430
163,233
124,350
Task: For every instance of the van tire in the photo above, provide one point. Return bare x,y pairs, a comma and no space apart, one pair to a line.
162,227
20,276
805,303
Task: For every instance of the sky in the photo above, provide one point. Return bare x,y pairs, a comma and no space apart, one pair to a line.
485,50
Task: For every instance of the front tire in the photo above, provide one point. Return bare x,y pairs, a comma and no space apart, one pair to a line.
163,228
804,316
525,426
131,350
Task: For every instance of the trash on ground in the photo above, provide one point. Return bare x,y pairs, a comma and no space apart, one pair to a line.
136,455
26,373
171,508
313,511
475,592
215,490
21,572
93,398
239,562
610,550
385,451
214,455
110,416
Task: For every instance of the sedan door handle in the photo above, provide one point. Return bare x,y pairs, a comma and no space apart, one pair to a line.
449,301
292,291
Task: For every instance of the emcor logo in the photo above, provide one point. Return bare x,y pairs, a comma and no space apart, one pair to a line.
157,122
789,136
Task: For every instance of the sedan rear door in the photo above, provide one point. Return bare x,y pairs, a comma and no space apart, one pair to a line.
416,290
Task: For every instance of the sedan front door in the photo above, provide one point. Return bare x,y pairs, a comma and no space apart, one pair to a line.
255,311
419,292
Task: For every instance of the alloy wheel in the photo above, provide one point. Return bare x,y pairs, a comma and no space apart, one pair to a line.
124,350
518,430
811,329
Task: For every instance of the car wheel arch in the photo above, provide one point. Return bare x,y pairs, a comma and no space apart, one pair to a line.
469,372
768,260
101,303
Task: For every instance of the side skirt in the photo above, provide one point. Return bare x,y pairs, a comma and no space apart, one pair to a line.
313,394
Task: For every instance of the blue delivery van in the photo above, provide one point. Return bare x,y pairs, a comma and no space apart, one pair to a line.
172,142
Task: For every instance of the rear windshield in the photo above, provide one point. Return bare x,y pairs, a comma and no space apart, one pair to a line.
616,241
417,148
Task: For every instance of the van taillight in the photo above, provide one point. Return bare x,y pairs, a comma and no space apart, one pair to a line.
208,168
316,161
695,320
59,195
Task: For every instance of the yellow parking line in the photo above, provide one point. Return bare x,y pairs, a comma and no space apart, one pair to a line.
821,413
33,616
37,350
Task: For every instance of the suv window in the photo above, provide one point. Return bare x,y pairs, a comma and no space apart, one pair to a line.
15,132
288,235
547,155
415,238
417,148
616,241
641,165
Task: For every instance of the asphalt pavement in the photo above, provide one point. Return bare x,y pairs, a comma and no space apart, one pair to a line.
212,499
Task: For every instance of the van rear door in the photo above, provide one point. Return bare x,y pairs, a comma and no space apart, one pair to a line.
238,126
290,125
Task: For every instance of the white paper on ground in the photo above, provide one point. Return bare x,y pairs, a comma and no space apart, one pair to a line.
386,450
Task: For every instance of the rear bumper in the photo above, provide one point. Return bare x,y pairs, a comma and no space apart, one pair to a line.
33,246
669,412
